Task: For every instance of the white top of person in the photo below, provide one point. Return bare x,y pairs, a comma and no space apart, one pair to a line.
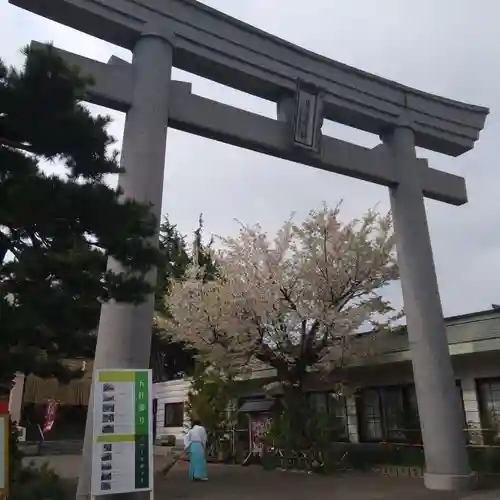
196,434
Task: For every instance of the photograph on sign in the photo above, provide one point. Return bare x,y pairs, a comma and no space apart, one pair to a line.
122,448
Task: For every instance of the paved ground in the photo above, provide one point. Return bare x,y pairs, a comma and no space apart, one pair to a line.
253,483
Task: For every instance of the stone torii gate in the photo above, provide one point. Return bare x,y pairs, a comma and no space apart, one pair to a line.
306,88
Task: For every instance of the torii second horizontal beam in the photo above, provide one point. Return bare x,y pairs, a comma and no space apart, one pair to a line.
201,116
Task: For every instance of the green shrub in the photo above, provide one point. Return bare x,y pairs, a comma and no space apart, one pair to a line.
365,456
485,459
209,397
269,461
307,448
30,483
208,401
323,442
15,455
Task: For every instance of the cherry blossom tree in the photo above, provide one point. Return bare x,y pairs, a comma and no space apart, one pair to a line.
296,302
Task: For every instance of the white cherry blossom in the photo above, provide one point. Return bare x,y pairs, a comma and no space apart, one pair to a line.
294,302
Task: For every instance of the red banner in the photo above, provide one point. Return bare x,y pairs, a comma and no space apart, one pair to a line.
259,425
4,407
50,415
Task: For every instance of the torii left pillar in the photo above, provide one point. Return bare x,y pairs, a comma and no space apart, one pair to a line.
124,336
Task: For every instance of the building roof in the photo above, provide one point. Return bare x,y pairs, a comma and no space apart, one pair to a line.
480,330
256,405
38,390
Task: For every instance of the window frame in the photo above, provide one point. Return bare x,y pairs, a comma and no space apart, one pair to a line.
329,410
486,430
381,394
362,423
407,408
165,413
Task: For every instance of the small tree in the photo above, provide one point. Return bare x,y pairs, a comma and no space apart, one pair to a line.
209,397
296,302
209,401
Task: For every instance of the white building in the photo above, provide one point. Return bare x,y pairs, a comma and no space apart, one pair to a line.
171,417
385,383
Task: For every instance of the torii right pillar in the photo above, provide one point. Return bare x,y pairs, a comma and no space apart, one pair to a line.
447,464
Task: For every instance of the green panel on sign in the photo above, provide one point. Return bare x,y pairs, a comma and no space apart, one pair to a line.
141,429
141,403
117,376
116,438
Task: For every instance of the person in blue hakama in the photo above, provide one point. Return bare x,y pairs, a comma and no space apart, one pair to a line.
195,443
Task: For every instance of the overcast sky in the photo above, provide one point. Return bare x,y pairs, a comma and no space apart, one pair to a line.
447,47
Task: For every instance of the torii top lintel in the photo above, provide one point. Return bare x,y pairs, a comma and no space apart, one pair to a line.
216,46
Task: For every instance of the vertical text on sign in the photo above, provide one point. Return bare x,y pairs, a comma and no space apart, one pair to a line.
141,394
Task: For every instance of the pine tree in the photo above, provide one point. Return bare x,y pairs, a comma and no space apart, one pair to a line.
56,232
202,255
170,359
174,261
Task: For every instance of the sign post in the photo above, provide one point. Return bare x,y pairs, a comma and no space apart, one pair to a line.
4,451
122,448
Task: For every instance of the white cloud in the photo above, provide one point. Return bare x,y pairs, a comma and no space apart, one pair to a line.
449,47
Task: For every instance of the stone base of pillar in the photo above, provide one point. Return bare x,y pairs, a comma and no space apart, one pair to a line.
450,482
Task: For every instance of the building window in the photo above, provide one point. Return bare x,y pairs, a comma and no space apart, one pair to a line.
393,409
388,414
464,416
370,416
335,407
489,409
337,410
174,415
318,401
